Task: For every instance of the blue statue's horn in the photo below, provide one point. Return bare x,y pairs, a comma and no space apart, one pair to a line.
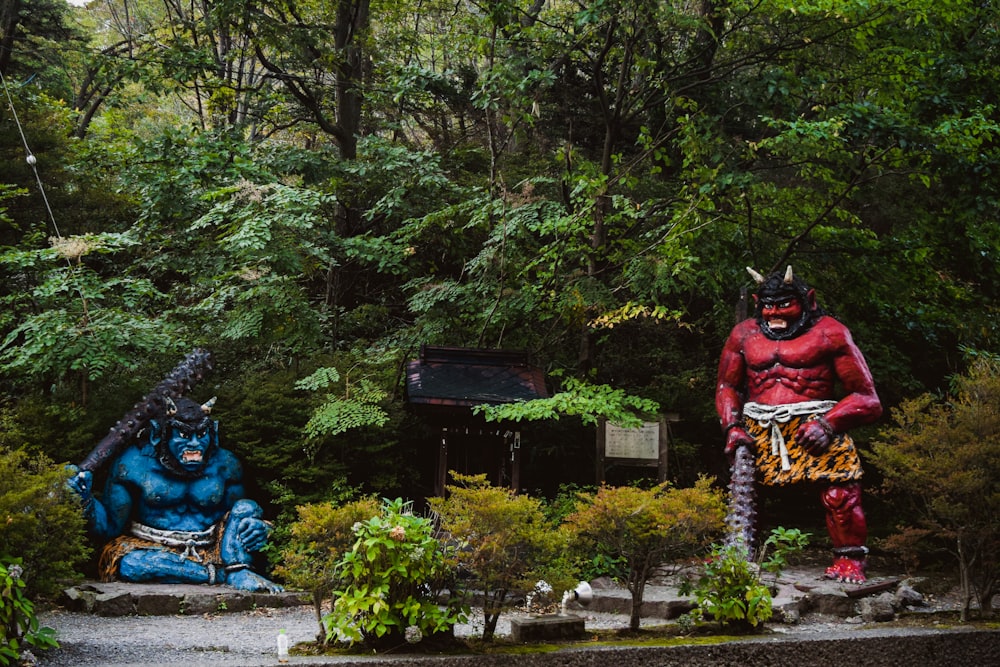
207,405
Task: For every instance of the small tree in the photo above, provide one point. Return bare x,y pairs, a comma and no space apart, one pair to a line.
323,533
648,527
505,542
943,457
40,521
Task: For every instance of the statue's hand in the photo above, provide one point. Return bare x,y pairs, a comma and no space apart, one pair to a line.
737,437
81,482
815,436
253,533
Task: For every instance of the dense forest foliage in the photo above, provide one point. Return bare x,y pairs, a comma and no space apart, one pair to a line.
299,185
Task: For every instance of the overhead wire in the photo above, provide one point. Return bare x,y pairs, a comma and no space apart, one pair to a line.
30,157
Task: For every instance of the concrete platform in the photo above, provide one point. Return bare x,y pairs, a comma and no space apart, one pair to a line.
800,591
125,599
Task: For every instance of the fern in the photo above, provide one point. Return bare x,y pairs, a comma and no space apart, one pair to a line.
358,407
339,415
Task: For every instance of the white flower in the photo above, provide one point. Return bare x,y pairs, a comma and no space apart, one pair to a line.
15,571
413,634
542,587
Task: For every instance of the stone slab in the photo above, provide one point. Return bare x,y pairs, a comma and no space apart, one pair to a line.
124,599
547,627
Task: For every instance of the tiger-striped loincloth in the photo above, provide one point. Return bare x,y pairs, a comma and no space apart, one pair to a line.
202,547
780,460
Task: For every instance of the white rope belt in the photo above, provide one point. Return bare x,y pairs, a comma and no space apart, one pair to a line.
774,415
189,539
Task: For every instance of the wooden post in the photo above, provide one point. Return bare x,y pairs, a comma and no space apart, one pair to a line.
664,448
600,451
442,465
515,462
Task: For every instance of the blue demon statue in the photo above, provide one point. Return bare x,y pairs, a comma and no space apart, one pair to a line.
174,509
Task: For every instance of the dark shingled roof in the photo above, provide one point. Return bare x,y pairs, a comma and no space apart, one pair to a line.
464,377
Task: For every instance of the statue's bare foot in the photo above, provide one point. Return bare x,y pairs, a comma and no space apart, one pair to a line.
247,580
848,570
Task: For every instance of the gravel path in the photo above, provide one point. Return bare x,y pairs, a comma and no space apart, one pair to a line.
250,638
243,638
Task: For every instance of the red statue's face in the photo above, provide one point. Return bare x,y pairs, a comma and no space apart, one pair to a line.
781,313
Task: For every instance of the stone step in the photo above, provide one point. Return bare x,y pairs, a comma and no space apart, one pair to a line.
125,599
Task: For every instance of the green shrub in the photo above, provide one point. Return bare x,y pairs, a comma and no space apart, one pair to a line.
940,463
730,588
393,578
317,541
19,629
505,542
40,521
648,527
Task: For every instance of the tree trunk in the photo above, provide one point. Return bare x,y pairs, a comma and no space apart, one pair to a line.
9,20
637,587
964,581
352,24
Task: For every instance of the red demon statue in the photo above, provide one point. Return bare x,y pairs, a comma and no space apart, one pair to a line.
775,396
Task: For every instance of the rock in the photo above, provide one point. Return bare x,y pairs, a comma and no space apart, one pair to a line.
79,598
828,599
908,597
786,611
117,603
196,604
158,604
602,583
920,584
877,609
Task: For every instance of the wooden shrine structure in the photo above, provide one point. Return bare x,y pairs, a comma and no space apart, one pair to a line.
444,385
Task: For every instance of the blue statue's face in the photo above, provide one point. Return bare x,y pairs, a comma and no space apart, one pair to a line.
189,444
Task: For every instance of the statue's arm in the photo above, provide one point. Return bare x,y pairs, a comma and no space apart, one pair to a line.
106,517
253,531
860,404
732,373
728,393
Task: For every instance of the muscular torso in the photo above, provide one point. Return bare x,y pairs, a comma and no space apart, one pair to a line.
787,371
756,368
168,502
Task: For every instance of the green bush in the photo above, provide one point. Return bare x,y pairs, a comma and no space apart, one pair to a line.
394,576
317,541
505,542
648,527
19,629
731,590
40,521
940,463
